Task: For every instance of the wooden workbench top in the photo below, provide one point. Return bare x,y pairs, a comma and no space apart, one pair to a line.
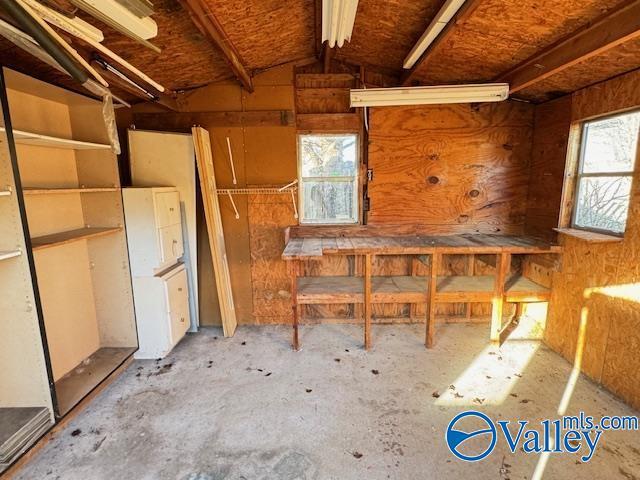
310,248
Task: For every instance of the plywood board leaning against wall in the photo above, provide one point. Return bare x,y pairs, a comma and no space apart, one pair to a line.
207,177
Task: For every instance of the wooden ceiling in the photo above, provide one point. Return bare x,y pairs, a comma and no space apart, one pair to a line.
493,38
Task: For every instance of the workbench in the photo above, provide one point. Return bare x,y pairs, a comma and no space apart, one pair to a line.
314,243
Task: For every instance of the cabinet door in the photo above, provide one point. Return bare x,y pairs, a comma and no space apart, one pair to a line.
178,299
167,206
171,246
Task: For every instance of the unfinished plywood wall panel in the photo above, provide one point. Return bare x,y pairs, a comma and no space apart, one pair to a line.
269,216
459,168
595,304
262,156
548,160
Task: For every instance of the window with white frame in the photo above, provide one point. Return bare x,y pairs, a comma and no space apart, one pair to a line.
605,171
328,178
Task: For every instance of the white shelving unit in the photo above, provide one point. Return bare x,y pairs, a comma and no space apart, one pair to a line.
26,403
10,254
30,138
73,205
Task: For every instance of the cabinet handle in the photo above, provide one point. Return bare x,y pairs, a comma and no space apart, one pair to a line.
180,289
182,320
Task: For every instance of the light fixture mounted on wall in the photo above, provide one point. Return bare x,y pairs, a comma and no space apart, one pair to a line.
383,97
338,17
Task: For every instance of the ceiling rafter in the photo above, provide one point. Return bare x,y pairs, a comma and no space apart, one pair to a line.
617,26
210,27
460,17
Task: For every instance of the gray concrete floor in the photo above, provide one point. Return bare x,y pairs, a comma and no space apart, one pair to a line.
250,408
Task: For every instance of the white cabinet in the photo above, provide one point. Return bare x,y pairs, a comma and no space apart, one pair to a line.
162,310
163,158
160,281
154,228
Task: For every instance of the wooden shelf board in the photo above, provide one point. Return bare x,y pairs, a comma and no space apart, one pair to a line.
28,138
591,237
9,254
330,290
413,289
54,191
76,384
70,236
399,289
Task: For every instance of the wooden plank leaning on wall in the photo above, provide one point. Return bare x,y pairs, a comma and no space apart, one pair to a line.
206,173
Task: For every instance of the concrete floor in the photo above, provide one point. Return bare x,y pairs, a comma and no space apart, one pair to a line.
250,408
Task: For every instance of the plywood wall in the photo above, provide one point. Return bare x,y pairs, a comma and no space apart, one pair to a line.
262,156
479,154
594,311
548,160
459,168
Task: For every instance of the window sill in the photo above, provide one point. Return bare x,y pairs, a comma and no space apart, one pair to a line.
589,237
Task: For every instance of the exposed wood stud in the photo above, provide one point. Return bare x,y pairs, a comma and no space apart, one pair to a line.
471,262
436,258
502,271
184,121
208,24
609,31
294,268
367,302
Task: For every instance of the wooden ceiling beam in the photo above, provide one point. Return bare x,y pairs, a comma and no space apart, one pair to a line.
606,32
183,121
210,27
461,16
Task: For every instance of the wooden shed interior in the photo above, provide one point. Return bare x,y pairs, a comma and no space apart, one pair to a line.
435,214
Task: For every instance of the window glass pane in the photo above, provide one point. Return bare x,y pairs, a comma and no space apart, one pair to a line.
610,144
328,202
603,203
328,155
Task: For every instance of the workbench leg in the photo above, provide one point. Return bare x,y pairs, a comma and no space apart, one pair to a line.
471,261
413,307
294,269
431,300
518,312
367,302
503,266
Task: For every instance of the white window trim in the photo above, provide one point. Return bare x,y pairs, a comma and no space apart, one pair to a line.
355,179
580,175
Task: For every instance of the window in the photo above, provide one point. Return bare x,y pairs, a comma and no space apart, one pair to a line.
328,170
605,170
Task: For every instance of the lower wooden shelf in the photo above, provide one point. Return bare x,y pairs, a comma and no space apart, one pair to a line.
413,289
60,238
76,384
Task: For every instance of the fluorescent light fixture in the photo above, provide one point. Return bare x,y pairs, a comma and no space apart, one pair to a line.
144,28
338,17
384,97
444,16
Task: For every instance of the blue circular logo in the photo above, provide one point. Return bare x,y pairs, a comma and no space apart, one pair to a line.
456,438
